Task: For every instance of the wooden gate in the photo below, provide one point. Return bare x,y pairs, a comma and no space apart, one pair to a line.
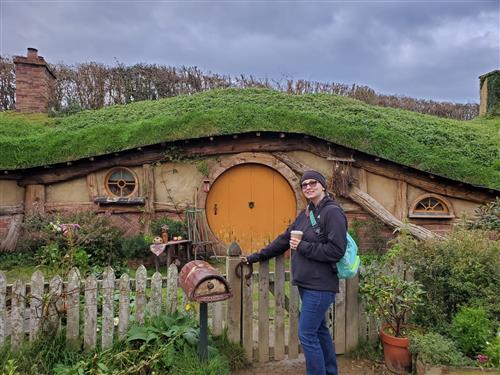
251,204
269,306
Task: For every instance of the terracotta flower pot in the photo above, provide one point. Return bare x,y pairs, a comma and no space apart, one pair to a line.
396,353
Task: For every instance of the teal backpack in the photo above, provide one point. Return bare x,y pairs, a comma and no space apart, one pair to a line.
348,265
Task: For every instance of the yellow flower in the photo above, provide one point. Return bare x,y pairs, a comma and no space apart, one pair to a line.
188,307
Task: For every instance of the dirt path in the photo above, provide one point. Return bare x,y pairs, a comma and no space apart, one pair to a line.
347,366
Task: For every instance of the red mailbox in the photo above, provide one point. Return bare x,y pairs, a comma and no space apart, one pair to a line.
203,283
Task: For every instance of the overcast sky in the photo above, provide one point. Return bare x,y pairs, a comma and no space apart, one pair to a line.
424,49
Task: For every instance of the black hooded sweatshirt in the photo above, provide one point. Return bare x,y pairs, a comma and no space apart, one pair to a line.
313,263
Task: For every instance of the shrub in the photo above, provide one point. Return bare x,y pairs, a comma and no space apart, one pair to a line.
471,329
487,216
176,227
387,294
96,242
434,349
492,351
135,247
462,269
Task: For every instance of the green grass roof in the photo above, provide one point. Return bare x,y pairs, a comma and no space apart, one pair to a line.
467,151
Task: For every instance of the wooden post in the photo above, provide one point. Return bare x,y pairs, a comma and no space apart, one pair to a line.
401,204
124,308
72,305
234,306
92,186
90,314
351,316
17,314
340,316
140,294
149,193
34,200
172,280
263,349
293,338
108,288
3,310
279,314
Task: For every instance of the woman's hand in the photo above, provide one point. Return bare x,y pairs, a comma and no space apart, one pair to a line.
294,243
244,260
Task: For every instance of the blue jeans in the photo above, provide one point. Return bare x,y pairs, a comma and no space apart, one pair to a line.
316,341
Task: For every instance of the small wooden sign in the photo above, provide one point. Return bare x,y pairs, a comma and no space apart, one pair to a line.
157,249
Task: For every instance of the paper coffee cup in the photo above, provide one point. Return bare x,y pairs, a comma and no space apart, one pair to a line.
296,234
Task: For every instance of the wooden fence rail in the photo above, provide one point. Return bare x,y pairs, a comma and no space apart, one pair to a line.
101,310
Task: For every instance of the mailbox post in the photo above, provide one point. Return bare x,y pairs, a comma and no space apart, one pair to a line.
204,284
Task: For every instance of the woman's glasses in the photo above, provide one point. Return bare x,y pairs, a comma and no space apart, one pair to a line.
312,184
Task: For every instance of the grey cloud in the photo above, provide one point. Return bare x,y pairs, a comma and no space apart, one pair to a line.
427,49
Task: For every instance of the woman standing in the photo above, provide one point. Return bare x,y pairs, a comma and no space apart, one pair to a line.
313,268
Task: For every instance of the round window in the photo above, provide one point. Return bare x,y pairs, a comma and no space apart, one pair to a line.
121,182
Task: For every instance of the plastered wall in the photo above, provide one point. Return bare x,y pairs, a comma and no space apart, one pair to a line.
10,193
177,182
67,191
383,190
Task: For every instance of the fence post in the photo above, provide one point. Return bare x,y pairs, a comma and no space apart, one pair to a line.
279,312
37,282
155,302
108,288
352,306
72,306
234,306
3,311
90,314
56,303
140,293
17,314
172,281
124,309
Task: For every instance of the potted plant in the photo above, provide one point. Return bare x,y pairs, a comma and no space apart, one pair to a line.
390,296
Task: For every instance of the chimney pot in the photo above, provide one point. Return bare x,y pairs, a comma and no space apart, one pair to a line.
32,53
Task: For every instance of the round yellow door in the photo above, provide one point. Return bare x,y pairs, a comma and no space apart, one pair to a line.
250,204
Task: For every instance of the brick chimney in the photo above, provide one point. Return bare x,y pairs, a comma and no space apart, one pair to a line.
34,82
489,93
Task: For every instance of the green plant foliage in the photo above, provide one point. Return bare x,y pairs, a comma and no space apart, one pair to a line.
233,352
487,216
434,349
492,351
135,247
95,243
175,227
471,329
387,294
461,269
41,355
163,345
462,150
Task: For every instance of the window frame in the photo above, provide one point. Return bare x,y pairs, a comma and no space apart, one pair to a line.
111,172
414,213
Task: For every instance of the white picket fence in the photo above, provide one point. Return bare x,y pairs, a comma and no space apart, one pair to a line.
27,308
101,310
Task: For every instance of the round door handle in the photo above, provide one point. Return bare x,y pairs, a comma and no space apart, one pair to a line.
251,205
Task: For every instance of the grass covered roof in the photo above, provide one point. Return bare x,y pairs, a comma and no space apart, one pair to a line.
467,151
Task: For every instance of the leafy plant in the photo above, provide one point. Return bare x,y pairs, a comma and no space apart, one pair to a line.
387,294
175,227
461,269
135,247
487,216
434,349
492,351
471,329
